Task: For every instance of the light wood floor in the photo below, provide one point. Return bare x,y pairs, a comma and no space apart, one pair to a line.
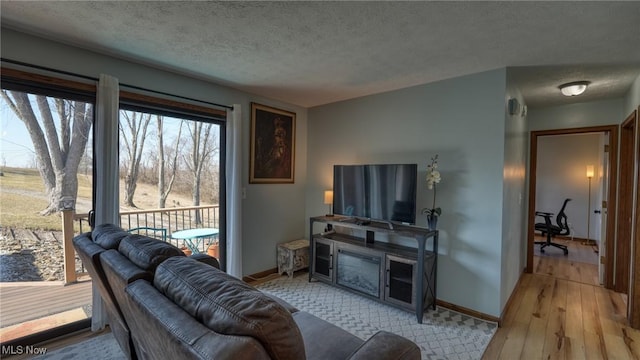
581,264
560,312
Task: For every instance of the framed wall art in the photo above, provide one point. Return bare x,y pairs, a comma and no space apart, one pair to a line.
273,143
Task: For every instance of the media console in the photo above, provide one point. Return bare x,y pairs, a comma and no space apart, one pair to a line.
398,275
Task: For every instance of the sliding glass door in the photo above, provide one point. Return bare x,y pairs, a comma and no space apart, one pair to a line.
46,187
170,174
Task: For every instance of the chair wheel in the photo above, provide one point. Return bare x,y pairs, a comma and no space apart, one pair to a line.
566,252
542,251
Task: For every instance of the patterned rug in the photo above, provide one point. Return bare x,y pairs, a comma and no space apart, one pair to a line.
102,347
443,334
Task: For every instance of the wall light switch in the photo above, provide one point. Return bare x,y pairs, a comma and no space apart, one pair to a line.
244,193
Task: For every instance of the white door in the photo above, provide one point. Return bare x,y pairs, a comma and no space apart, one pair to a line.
601,220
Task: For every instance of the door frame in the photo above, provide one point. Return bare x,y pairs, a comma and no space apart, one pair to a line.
625,210
612,130
634,288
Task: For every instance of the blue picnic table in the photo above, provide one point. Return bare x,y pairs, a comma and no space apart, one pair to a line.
193,238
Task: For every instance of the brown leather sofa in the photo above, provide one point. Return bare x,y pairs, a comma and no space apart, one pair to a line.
164,305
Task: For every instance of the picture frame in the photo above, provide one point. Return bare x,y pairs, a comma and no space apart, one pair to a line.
272,153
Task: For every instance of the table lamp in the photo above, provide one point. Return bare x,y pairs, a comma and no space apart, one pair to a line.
328,200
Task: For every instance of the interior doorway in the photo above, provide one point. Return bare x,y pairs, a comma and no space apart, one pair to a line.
570,179
583,240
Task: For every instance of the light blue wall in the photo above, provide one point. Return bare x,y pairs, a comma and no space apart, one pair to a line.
463,121
632,100
482,152
515,199
271,213
595,113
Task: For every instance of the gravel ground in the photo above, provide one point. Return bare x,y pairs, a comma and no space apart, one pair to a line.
27,255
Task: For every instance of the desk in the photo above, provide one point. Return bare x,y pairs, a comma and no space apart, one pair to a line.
193,237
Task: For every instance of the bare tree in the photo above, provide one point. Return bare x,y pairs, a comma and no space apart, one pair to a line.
164,190
136,124
202,147
58,148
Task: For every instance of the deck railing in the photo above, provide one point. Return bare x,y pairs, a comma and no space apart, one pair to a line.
168,219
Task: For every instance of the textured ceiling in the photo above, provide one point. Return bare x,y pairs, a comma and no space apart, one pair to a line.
311,53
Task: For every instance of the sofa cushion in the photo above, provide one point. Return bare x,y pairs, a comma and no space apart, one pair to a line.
342,342
147,253
204,258
386,345
108,236
229,306
162,330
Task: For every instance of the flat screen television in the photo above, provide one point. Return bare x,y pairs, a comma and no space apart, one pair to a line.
385,192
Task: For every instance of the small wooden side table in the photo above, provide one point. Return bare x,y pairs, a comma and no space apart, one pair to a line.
293,256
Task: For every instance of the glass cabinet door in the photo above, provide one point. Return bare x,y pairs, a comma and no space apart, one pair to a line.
401,279
323,259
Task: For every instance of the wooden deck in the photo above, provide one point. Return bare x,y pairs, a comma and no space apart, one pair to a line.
29,307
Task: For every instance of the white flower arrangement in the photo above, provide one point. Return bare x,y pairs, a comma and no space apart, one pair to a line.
433,178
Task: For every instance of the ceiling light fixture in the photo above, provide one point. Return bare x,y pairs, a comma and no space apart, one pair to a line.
573,88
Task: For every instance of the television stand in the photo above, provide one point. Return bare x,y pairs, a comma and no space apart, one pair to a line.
397,275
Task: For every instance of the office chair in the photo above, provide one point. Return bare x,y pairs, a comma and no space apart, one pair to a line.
550,230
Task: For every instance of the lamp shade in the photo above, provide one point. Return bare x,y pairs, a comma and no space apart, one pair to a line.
328,197
574,88
590,171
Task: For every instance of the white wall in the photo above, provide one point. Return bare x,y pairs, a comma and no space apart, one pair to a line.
271,213
561,173
463,121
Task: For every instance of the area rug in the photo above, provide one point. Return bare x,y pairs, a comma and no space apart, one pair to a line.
443,334
102,347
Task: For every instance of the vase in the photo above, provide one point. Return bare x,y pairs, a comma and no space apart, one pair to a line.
212,250
432,221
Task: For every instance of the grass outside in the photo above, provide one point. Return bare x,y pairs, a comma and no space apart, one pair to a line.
25,179
22,197
21,211
30,180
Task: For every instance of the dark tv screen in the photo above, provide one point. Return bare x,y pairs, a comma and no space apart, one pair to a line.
378,192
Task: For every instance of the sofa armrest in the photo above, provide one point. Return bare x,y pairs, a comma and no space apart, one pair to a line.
285,304
385,345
